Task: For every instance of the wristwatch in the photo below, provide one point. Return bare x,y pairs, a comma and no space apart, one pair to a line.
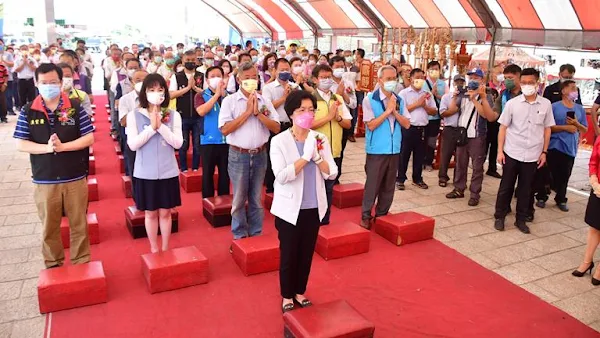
319,160
545,152
339,118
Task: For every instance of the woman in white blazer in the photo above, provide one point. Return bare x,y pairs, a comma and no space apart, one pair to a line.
301,160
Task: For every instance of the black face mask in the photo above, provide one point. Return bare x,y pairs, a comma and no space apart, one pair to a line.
190,65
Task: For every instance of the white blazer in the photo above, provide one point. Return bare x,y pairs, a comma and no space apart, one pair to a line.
289,188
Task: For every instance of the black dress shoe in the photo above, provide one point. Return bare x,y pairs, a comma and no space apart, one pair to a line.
499,224
366,223
578,273
494,174
563,207
400,186
540,204
529,218
522,227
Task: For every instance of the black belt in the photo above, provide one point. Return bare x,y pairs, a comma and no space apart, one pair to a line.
417,127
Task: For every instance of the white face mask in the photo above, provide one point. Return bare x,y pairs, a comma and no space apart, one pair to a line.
297,70
138,87
155,98
338,72
130,72
67,83
528,90
214,82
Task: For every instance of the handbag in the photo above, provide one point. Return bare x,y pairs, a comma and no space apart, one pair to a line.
462,139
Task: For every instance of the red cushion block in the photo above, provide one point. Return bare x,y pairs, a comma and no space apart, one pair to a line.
217,210
121,163
343,239
93,230
268,200
335,319
405,227
256,254
174,269
134,220
348,195
117,149
191,181
92,190
72,286
126,185
92,166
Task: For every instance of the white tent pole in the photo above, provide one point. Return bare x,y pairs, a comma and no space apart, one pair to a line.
492,55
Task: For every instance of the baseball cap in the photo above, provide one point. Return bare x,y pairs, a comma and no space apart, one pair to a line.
459,77
476,71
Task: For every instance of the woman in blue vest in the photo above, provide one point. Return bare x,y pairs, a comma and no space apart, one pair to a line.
213,148
154,132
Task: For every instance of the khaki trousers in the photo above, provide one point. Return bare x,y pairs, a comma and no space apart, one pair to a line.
51,200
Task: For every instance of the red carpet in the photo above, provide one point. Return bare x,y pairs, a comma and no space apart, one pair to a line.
423,289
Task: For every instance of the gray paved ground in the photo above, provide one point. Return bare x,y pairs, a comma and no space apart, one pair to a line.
540,263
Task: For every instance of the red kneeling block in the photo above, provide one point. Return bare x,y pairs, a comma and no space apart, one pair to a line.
175,269
93,230
92,190
343,239
118,149
121,164
191,181
334,319
71,286
134,220
268,201
256,254
348,195
126,185
217,210
92,166
405,227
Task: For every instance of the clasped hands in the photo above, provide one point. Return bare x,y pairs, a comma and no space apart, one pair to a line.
311,153
54,144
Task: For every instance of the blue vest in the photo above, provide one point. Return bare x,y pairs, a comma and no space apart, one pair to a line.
381,141
211,134
155,160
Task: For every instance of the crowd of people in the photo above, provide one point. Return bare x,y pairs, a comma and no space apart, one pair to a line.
283,119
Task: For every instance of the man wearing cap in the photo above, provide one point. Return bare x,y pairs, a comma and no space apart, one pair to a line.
475,110
450,132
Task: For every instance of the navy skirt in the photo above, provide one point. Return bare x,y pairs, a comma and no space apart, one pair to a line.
150,195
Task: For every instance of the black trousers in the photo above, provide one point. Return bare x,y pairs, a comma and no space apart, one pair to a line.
432,130
413,142
296,247
492,145
26,91
3,108
560,166
269,176
512,170
214,155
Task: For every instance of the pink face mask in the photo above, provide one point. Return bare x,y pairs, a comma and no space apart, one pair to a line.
304,120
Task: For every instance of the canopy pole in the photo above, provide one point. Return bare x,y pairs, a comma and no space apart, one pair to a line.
316,36
492,55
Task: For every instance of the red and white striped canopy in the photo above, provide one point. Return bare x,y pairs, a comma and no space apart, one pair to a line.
558,23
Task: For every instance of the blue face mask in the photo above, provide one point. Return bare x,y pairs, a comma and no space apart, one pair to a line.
285,76
49,91
390,86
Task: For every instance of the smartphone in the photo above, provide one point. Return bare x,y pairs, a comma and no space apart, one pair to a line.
473,85
571,114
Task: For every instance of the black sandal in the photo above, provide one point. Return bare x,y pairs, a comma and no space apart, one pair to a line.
443,184
287,307
304,303
455,194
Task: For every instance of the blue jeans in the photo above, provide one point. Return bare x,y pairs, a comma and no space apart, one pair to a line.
10,96
187,126
247,174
